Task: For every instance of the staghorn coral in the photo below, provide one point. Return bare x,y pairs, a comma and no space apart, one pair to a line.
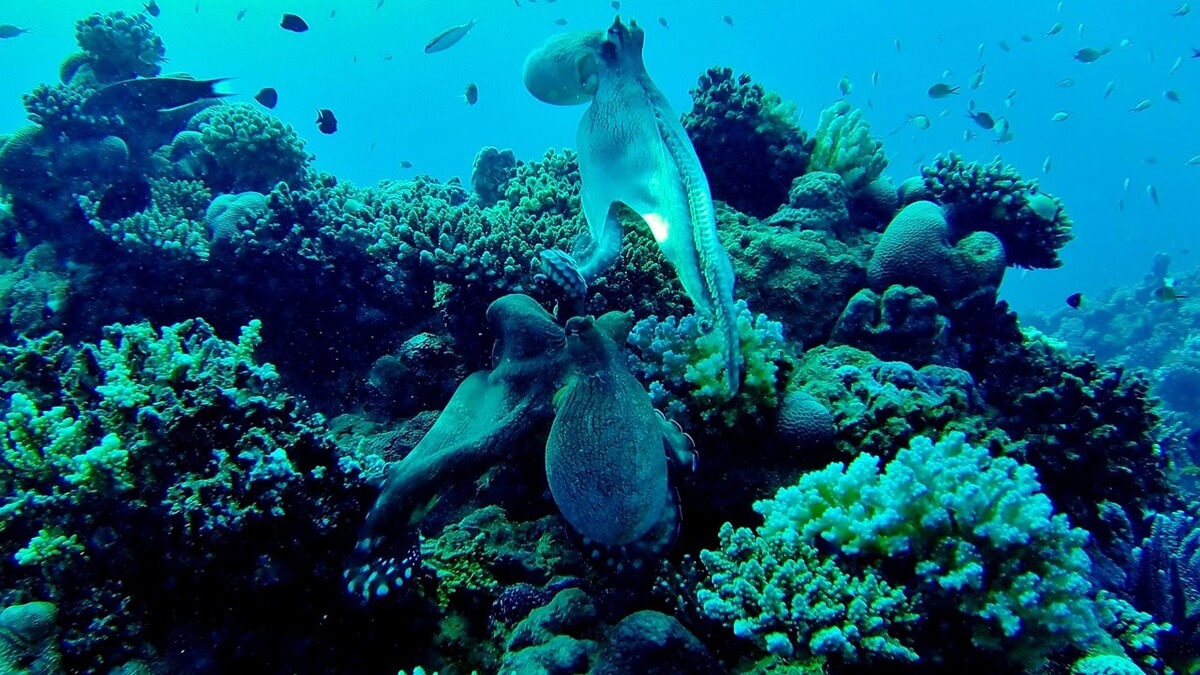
59,109
843,145
747,140
993,197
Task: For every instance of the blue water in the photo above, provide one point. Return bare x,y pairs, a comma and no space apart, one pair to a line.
395,103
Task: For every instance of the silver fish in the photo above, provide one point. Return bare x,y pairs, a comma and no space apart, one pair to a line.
449,37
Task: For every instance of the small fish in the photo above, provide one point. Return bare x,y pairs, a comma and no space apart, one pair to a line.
152,8
405,164
1108,89
1060,116
874,77
268,97
241,14
1004,131
1125,185
1120,204
1125,42
1074,300
372,148
979,54
387,57
560,22
378,5
124,198
197,6
326,122
728,20
1178,62
984,120
1054,30
471,95
333,13
1194,161
1142,105
919,121
1026,39
1183,10
1046,165
7,30
944,113
1079,32
1172,96
942,90
1167,292
968,135
662,21
1195,53
293,23
615,4
1066,83
897,44
1152,192
1004,46
1150,161
1090,55
449,37
845,86
977,78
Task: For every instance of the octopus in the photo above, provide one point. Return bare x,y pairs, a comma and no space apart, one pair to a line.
634,154
609,454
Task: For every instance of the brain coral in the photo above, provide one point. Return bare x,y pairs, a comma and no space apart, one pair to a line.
917,249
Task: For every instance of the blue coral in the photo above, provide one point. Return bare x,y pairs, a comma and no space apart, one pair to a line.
848,559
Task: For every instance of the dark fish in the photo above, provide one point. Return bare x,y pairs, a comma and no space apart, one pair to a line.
197,6
663,22
378,5
152,8
616,5
293,23
124,198
241,14
1195,53
333,13
1074,300
728,19
150,93
984,120
326,122
472,94
405,164
560,22
268,97
1026,39
7,30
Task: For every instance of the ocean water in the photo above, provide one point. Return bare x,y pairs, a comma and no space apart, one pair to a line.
368,65
421,454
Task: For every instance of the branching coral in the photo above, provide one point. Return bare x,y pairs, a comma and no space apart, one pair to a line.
120,46
681,366
747,140
173,223
943,532
245,148
844,145
1031,224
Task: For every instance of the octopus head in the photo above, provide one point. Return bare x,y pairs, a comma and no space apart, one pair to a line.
565,69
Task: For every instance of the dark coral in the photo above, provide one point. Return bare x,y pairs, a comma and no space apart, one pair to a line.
1165,579
900,324
747,141
995,198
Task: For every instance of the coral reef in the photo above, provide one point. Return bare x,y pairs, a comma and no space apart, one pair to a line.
747,140
843,145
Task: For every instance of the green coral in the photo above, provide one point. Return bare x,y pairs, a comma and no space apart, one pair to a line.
944,531
246,149
844,146
173,223
682,366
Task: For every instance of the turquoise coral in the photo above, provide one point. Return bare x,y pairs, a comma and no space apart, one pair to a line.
957,530
245,149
